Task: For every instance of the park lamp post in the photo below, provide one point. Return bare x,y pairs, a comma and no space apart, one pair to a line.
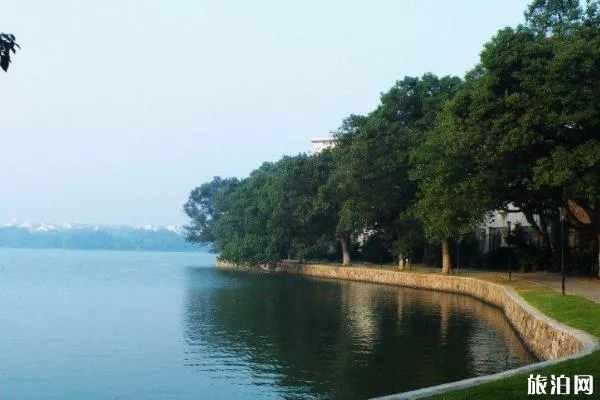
508,223
562,213
458,255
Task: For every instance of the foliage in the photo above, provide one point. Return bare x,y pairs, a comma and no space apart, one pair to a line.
8,45
436,156
266,216
450,205
376,250
205,205
522,131
372,168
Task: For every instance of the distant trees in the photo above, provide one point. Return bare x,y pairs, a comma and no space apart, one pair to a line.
520,133
7,46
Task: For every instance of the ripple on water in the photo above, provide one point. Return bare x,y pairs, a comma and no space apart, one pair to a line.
147,326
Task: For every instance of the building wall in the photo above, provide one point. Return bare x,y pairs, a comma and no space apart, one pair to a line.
493,233
318,145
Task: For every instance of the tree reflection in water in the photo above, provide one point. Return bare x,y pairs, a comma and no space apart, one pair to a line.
309,338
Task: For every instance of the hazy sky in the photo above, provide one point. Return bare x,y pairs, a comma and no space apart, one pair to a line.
114,110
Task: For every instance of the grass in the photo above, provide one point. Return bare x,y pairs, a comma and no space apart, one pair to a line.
570,310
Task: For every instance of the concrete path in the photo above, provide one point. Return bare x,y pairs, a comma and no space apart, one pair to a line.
584,287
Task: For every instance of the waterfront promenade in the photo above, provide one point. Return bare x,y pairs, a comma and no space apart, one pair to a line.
588,288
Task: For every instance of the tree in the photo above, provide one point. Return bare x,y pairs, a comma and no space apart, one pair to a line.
546,17
529,117
371,174
268,215
7,45
311,226
296,222
571,165
205,206
451,202
242,233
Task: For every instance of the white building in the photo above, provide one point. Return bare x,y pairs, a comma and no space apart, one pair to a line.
492,235
318,145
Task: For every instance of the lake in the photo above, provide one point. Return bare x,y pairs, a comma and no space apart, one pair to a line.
145,325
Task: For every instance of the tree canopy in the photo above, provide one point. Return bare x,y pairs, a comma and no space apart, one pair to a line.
436,157
266,216
373,163
530,113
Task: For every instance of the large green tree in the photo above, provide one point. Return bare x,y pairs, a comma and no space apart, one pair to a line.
372,169
529,117
297,222
271,214
450,203
242,232
205,206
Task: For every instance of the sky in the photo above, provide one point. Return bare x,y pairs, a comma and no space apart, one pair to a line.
113,110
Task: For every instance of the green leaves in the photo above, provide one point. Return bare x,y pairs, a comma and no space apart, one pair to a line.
206,205
262,218
437,154
372,160
548,16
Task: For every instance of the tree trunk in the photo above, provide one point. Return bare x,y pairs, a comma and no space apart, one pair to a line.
345,252
446,260
542,235
401,263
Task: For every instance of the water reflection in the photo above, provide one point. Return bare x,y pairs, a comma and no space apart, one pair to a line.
307,338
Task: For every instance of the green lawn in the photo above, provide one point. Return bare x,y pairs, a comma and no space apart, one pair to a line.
573,311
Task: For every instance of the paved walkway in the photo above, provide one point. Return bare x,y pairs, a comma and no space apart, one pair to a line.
584,287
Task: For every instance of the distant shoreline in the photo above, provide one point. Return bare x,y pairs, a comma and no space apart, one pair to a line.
84,237
201,250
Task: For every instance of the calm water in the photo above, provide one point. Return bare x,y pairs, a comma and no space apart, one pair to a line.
127,325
